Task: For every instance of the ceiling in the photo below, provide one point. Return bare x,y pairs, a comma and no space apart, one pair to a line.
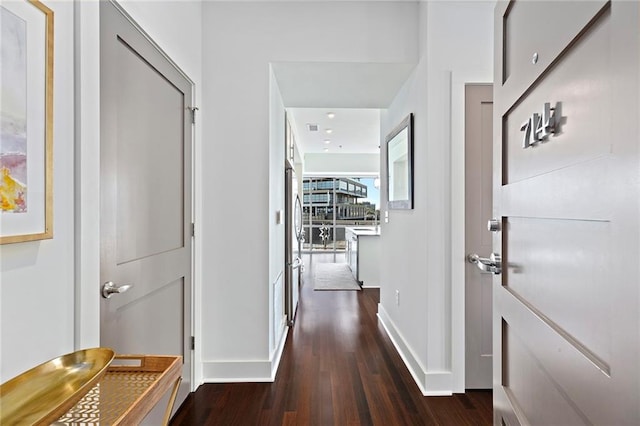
340,84
354,92
350,131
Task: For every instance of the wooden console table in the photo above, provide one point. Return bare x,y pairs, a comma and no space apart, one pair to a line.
131,387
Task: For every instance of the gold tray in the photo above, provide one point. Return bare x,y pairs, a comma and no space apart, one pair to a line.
41,395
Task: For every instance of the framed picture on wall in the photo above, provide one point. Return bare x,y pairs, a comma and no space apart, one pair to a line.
26,121
400,165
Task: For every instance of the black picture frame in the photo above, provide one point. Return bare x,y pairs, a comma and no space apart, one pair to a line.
399,144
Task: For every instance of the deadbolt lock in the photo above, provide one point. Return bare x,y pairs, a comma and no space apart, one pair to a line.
494,225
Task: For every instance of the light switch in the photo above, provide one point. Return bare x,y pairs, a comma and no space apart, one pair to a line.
386,216
279,217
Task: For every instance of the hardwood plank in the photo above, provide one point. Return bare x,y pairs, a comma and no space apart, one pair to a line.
338,368
289,419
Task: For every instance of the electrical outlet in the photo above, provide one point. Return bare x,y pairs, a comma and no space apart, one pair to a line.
398,297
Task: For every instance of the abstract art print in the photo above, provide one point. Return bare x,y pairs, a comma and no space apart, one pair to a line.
26,114
13,113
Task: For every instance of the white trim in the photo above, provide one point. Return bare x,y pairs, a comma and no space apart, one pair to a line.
245,371
277,280
457,235
341,174
436,383
276,355
87,174
146,35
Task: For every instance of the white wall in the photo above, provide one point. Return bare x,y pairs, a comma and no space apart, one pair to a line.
342,164
428,324
276,204
240,40
37,278
176,27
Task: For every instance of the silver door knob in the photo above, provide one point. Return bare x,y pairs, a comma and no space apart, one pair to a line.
492,265
494,225
109,289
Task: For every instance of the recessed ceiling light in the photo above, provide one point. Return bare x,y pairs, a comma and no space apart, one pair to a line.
327,141
330,115
329,131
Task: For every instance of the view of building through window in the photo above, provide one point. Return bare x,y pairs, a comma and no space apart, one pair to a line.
332,203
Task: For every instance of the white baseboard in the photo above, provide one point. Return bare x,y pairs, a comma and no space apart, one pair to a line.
276,355
245,371
431,383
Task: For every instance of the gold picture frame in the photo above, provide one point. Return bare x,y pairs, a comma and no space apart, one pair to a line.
26,134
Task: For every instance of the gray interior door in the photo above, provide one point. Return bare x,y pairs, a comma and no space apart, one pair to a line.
566,315
478,211
145,197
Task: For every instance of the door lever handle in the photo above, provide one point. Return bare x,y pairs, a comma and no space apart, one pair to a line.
297,262
492,265
109,289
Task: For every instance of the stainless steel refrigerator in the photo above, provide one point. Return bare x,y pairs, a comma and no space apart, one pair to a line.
293,245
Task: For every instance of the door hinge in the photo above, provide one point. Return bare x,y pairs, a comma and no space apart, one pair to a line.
193,229
193,114
193,342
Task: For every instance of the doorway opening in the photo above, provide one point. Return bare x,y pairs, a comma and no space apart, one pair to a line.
334,209
332,204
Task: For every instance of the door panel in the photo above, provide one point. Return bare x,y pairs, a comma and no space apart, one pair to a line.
566,306
574,103
478,210
565,260
145,197
151,173
544,408
582,184
579,380
563,22
138,314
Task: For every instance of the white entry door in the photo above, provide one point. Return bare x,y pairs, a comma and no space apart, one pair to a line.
566,194
478,211
145,189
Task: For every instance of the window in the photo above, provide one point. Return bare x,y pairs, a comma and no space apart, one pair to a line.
355,204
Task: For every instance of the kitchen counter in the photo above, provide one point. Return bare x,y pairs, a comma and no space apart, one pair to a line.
363,230
363,254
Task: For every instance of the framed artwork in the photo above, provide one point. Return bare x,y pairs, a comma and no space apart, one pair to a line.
26,121
400,165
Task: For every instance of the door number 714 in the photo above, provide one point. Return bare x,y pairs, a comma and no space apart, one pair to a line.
538,127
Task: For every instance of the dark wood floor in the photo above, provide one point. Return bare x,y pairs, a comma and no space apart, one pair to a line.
338,368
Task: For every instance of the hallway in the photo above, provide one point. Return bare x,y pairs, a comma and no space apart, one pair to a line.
338,368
